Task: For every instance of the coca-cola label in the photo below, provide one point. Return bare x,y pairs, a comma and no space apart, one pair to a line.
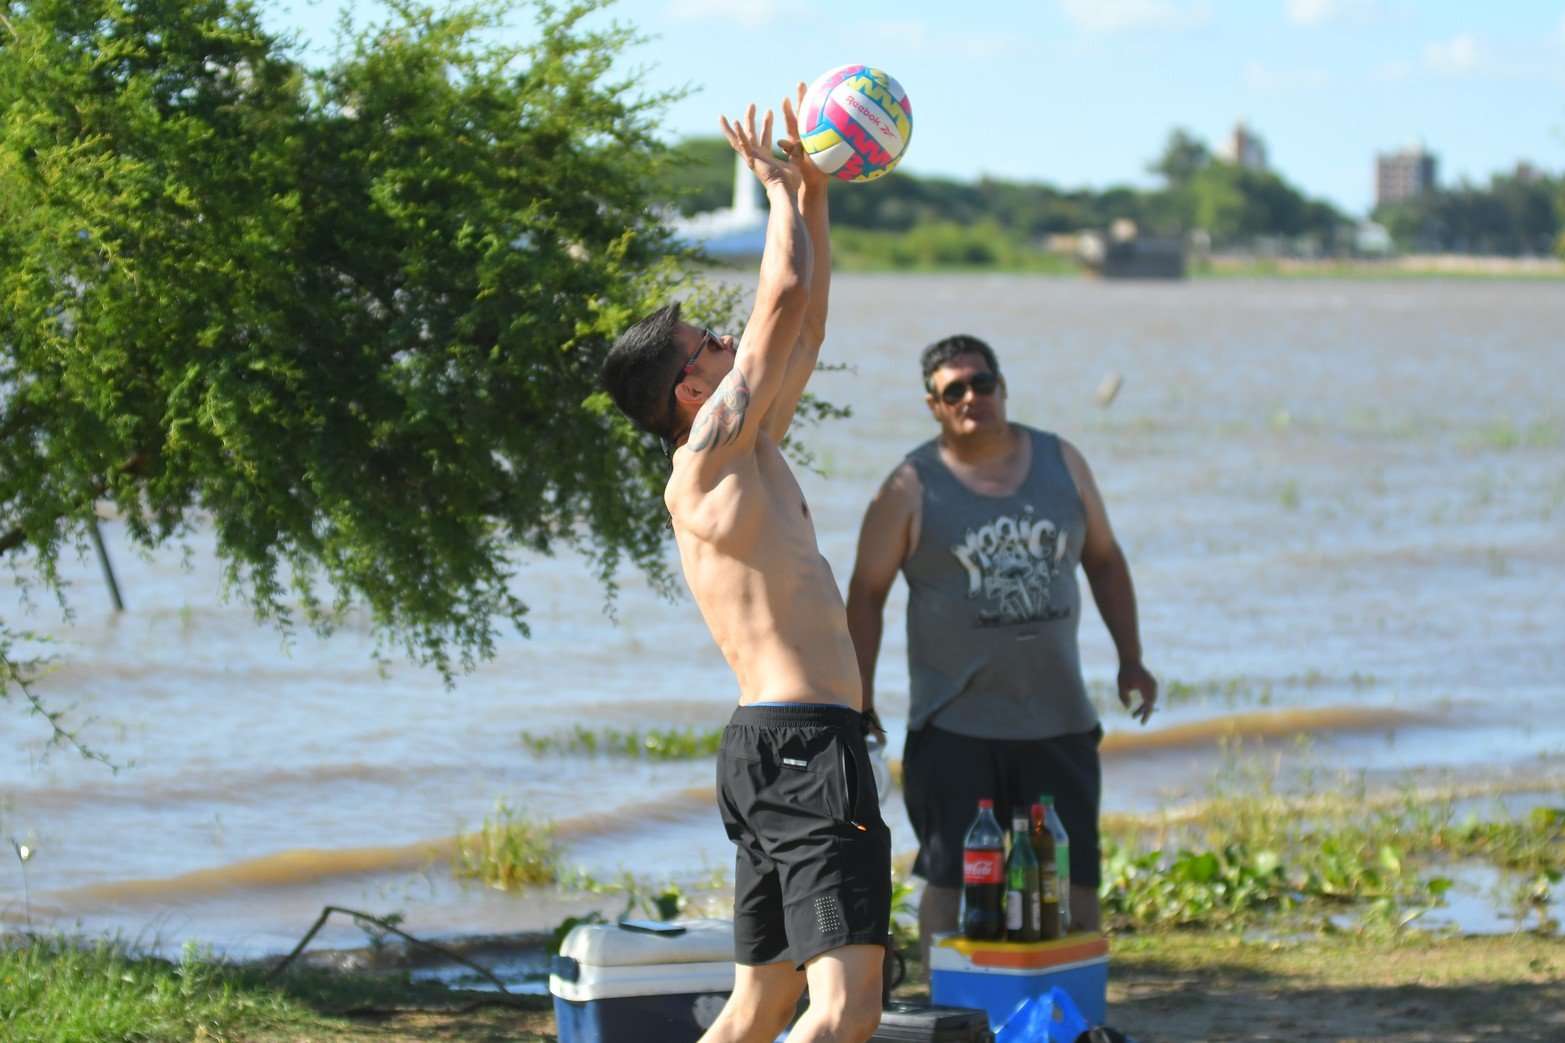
982,867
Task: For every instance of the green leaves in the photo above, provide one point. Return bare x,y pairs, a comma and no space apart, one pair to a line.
1250,853
348,318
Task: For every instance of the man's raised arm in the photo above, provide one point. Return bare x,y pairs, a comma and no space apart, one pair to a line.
812,204
761,362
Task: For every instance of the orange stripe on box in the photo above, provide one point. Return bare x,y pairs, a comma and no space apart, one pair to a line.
1030,955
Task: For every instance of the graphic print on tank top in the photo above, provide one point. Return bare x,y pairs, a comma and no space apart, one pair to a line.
1011,563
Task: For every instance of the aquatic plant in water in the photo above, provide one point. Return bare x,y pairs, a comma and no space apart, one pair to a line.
511,851
1251,851
664,744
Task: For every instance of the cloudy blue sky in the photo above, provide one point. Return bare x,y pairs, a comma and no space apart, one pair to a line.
1084,92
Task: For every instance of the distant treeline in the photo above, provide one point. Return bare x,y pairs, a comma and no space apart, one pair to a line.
1235,209
1518,214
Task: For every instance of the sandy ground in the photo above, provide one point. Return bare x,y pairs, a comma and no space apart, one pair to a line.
1209,988
1406,994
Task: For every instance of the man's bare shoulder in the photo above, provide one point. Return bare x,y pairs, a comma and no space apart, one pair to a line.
1076,464
902,488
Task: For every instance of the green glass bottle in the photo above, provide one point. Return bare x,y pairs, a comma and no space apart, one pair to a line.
1022,910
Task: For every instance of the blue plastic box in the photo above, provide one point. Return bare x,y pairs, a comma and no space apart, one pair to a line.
615,985
998,976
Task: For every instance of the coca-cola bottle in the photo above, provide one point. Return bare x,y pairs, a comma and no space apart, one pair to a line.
1042,843
1062,857
983,878
1021,884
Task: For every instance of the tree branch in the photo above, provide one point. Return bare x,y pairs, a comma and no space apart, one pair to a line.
133,466
11,674
384,925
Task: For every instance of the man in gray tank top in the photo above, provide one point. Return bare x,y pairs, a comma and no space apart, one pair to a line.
987,523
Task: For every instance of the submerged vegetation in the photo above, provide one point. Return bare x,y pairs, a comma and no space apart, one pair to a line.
511,851
659,744
1230,692
1327,851
1327,863
1317,853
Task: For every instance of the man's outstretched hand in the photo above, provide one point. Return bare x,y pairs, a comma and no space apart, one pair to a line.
813,177
756,150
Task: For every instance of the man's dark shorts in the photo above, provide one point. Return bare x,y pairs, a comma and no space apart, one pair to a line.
797,795
944,775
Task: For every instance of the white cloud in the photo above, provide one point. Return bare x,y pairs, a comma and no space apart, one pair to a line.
749,14
1263,78
1111,17
1314,13
1456,57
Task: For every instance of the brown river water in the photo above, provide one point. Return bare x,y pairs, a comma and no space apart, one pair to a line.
1343,503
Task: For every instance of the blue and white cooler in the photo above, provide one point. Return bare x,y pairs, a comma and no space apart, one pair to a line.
999,976
647,982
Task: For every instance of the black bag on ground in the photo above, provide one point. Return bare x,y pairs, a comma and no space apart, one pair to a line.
1104,1034
920,1023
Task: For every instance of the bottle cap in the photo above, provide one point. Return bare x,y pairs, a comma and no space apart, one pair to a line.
985,802
1047,800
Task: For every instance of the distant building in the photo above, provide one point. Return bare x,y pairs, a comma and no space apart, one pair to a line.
1404,175
732,232
1244,149
1124,253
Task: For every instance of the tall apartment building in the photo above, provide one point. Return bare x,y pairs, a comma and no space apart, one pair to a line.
1403,175
1244,148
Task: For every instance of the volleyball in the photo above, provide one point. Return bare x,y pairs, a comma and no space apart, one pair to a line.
855,122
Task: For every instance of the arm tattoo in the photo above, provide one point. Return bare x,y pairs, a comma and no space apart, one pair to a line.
721,419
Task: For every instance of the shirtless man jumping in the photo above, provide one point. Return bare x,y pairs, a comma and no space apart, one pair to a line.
812,879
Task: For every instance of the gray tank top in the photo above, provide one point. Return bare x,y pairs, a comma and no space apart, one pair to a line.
993,603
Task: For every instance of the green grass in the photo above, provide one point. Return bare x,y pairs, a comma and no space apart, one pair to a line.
53,989
944,246
1403,269
62,990
1182,985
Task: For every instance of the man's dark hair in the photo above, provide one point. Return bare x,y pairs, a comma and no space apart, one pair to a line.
942,352
640,370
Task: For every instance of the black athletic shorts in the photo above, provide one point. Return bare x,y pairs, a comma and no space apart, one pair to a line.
797,795
944,775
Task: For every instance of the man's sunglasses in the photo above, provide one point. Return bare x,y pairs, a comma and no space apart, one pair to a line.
982,384
690,363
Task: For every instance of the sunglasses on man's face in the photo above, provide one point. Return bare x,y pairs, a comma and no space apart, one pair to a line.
690,364
981,384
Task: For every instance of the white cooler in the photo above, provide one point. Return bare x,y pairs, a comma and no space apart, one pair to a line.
615,984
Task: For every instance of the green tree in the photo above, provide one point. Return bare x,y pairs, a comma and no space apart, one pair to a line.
1183,158
1236,205
348,319
1520,213
701,176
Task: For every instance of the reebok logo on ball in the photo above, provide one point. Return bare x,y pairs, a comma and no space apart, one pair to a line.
855,122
